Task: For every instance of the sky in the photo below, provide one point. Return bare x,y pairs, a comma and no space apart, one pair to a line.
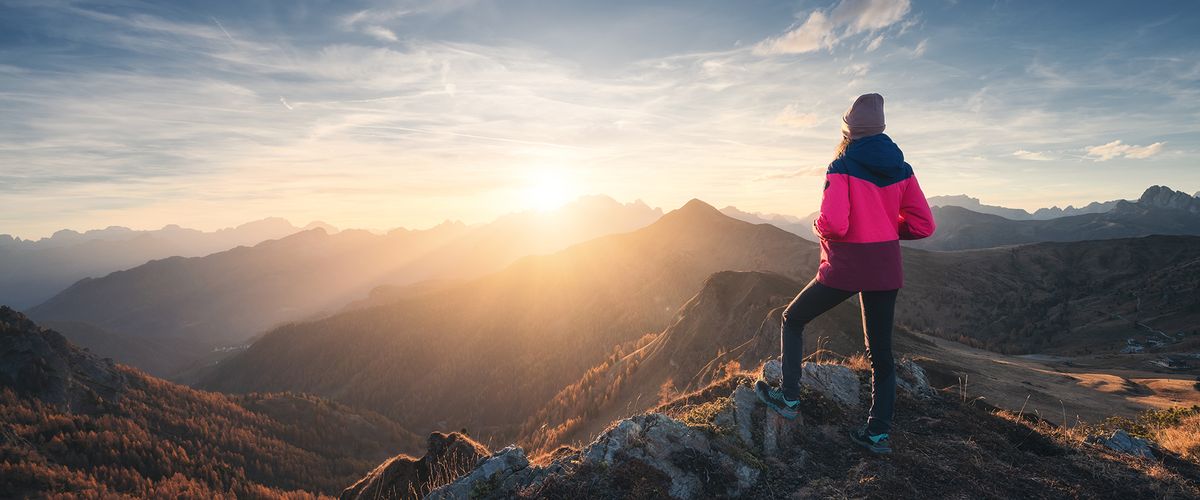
382,114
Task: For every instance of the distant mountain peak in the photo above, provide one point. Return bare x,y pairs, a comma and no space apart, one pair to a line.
695,206
1165,197
694,211
328,228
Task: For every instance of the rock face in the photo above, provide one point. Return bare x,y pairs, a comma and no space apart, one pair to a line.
1122,442
1165,197
41,363
447,456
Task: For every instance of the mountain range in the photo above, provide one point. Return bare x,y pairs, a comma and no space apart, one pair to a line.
543,320
429,360
174,316
190,311
1160,210
974,205
31,271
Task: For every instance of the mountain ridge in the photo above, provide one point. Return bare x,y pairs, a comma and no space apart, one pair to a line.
211,304
74,424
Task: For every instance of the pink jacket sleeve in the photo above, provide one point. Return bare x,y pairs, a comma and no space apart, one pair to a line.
916,221
834,219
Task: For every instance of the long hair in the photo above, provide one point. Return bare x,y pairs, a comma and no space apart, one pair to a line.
841,147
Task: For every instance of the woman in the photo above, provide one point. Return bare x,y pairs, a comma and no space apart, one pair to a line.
871,202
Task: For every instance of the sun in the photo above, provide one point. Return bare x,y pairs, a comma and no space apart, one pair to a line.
548,190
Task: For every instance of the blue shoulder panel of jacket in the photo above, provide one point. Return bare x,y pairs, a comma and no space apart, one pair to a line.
853,168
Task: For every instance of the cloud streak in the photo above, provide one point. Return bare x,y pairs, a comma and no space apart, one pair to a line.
822,29
1118,149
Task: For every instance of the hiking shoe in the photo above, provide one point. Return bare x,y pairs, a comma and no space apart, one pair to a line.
775,399
878,444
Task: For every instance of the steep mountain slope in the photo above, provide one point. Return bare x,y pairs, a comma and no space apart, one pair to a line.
734,322
222,300
1060,298
77,425
543,321
1158,211
31,271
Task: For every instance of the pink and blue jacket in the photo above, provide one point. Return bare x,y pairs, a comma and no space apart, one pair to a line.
871,202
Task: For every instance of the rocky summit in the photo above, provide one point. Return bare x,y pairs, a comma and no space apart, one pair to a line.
1165,197
41,363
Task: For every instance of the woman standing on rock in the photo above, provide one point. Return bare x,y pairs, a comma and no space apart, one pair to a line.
871,202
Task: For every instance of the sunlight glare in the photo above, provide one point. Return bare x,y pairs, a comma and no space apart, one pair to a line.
548,190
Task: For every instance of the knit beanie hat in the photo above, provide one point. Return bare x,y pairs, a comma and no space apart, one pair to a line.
864,118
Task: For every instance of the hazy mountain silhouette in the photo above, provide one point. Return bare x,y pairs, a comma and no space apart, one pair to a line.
490,247
196,305
31,271
1160,210
76,424
201,303
789,223
435,359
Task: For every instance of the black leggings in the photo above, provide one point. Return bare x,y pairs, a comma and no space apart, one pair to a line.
878,309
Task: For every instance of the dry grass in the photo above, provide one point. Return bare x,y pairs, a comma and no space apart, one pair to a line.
1183,439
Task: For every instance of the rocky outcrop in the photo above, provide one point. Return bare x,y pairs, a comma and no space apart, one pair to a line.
41,363
447,456
715,449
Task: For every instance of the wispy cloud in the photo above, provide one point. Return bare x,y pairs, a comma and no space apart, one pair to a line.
823,29
1032,155
372,22
1118,149
796,117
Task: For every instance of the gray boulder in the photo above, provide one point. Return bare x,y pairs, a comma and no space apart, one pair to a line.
836,382
911,378
1122,442
772,372
505,470
674,449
